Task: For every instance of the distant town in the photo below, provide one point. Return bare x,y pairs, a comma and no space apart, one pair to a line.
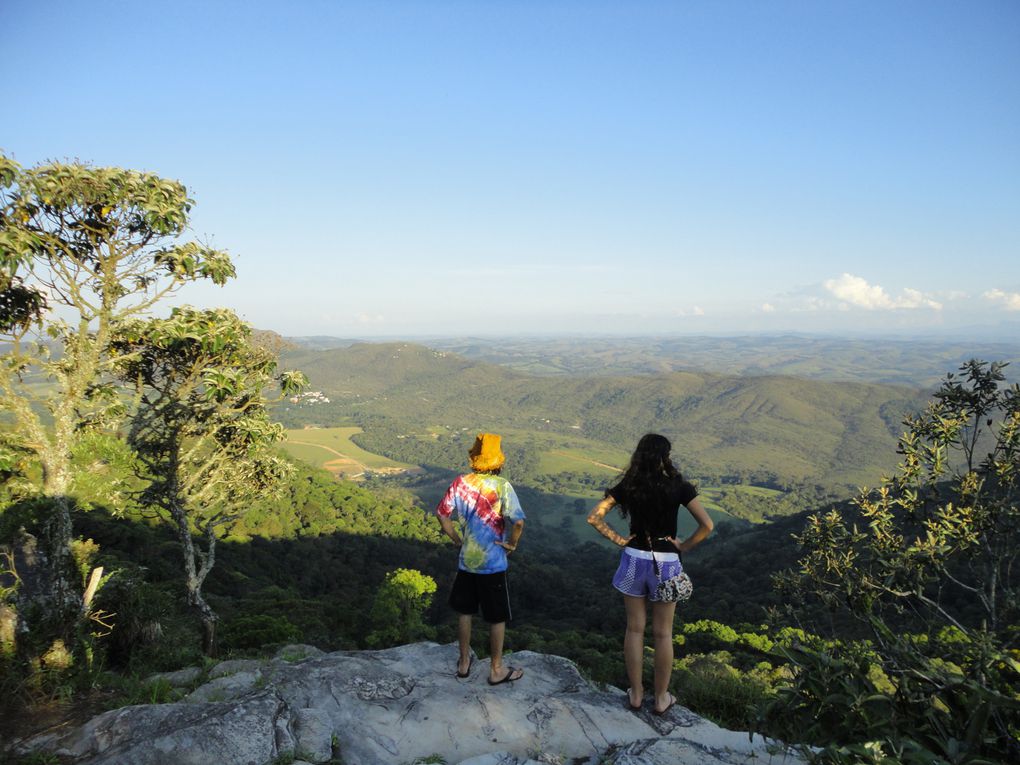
310,397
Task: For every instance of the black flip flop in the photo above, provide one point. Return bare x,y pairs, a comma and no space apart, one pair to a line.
509,677
630,706
669,706
471,660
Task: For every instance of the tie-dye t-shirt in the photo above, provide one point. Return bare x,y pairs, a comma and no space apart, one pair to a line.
486,505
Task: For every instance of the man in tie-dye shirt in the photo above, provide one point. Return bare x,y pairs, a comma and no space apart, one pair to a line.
490,523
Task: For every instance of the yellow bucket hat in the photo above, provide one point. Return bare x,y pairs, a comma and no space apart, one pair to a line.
486,454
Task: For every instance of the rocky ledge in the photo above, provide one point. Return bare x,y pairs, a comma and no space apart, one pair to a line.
397,707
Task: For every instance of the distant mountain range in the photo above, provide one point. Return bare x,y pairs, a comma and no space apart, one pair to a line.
921,363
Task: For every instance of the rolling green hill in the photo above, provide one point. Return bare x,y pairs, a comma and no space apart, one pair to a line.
778,429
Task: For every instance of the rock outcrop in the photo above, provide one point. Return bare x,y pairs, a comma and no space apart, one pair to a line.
394,707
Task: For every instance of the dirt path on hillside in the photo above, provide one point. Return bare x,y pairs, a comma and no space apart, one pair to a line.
585,459
346,458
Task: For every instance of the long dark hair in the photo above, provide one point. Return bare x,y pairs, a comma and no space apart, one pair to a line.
650,468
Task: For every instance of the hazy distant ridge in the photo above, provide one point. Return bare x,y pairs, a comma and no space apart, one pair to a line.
918,363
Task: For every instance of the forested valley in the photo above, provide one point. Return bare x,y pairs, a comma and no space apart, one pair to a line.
171,492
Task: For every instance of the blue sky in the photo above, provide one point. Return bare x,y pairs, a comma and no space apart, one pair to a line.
417,168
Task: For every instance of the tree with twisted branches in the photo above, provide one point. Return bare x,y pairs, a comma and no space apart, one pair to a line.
82,251
201,430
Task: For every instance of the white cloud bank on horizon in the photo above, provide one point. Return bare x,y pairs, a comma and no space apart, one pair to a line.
855,291
1009,300
692,311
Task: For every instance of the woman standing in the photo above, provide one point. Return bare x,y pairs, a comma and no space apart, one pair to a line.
650,493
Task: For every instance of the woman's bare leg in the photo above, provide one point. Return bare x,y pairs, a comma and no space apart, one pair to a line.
662,639
634,646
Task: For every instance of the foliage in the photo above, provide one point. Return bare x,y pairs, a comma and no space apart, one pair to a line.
127,690
731,673
250,632
142,615
711,684
931,575
200,428
401,601
82,250
312,503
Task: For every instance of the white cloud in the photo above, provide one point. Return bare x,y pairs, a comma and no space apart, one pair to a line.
807,303
954,295
692,311
855,291
1009,300
767,308
912,298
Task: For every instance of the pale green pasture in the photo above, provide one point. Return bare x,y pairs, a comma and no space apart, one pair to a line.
313,455
571,460
337,439
558,453
743,488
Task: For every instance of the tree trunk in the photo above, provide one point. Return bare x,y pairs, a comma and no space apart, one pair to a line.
209,647
194,576
66,589
205,614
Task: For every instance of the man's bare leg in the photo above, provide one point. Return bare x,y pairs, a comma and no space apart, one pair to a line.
464,642
497,632
497,673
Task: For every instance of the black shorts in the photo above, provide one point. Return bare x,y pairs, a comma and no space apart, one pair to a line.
486,590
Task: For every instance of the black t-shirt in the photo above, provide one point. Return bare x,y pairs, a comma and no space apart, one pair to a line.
656,517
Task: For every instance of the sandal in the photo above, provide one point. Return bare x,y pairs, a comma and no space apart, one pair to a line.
512,674
669,706
630,706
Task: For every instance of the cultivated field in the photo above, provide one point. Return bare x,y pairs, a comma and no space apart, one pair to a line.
332,449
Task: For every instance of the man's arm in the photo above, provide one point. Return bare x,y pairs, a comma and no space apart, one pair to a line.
449,529
515,535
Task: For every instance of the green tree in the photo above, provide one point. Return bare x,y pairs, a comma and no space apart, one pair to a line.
82,250
930,573
200,429
396,616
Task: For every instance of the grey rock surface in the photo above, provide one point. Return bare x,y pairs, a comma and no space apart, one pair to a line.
313,734
226,687
394,707
184,734
234,667
178,679
298,651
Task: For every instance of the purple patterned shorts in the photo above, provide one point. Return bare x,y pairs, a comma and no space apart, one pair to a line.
636,574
